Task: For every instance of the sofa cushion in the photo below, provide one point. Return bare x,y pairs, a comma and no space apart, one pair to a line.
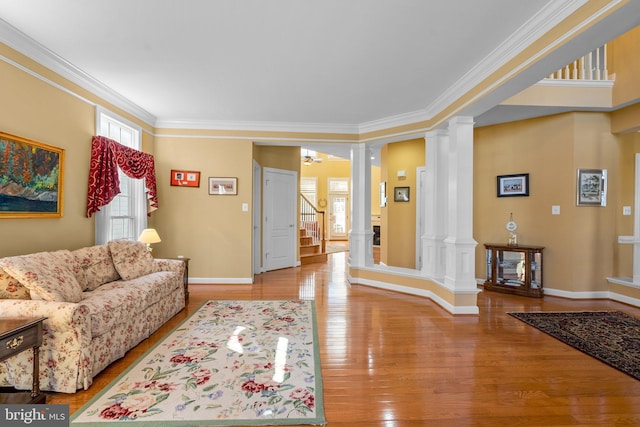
97,265
114,302
46,275
131,258
11,288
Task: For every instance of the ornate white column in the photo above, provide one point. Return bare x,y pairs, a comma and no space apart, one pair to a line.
459,243
361,233
435,221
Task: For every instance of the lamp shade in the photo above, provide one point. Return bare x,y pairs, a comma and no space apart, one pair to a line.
149,235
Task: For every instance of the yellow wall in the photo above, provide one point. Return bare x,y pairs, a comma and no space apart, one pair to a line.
398,230
33,109
212,230
624,62
580,243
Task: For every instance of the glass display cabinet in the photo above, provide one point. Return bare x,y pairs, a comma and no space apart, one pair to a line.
514,269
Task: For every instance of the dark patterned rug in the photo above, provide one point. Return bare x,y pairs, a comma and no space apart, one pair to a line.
610,336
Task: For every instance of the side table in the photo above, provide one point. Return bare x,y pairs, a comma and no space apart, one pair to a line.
18,334
185,279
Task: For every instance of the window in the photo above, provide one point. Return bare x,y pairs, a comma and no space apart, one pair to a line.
309,188
126,216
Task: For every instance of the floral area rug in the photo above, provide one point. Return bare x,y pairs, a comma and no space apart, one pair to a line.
612,337
229,363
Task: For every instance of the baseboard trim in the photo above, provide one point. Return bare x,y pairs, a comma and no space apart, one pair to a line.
220,280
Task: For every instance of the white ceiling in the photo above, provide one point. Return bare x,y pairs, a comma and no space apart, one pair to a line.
336,63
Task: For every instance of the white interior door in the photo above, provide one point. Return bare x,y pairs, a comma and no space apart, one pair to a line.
279,219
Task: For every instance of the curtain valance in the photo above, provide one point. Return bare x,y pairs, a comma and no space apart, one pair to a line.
106,156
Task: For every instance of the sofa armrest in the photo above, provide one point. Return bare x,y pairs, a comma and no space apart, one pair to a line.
63,318
175,265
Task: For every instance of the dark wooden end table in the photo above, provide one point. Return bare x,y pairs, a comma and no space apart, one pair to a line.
18,334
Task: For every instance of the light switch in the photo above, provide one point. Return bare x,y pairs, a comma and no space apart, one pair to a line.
245,207
555,210
626,210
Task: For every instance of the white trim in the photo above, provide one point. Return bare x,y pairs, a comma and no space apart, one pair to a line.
220,280
577,295
393,121
607,84
470,309
24,44
257,126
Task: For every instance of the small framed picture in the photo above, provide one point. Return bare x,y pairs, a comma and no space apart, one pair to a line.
180,178
513,185
401,194
592,187
223,186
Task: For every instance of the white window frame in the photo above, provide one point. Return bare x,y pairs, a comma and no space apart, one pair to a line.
133,190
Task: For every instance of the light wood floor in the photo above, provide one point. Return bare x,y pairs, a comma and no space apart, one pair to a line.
391,359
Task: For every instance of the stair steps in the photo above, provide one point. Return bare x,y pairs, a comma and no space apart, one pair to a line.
309,252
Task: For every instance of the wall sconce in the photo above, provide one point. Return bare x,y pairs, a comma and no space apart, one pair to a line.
402,174
149,236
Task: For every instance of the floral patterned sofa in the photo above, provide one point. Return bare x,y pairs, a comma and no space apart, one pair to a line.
99,301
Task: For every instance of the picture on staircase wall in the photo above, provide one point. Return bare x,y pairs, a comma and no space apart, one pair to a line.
592,187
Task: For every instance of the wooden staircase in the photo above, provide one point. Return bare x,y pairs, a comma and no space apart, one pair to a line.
310,252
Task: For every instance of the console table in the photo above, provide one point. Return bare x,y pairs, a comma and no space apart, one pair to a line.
18,334
514,269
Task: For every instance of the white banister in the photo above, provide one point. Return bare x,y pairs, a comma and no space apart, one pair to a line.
592,66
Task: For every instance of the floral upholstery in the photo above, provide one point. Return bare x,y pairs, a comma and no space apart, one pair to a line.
131,259
82,338
47,275
11,288
97,265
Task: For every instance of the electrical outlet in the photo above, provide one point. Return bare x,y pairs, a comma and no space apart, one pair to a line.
555,210
626,210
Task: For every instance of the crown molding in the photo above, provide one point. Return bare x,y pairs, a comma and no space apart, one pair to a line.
394,121
24,44
257,126
528,33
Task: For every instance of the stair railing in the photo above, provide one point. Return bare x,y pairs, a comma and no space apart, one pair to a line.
312,220
591,67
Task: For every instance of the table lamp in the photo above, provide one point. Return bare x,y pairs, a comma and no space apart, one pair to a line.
149,236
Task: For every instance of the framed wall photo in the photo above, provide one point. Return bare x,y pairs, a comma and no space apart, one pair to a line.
513,185
401,194
592,187
180,178
223,186
31,178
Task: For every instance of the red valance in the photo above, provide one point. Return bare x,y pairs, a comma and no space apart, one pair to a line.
106,156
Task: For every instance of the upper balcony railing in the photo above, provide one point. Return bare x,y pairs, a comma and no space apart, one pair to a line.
591,67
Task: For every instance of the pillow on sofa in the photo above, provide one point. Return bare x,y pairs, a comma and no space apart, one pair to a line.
11,288
131,258
67,259
97,265
45,276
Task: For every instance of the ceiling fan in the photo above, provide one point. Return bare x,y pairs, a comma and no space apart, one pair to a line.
309,157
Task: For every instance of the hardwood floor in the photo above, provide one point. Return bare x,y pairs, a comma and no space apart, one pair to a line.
390,359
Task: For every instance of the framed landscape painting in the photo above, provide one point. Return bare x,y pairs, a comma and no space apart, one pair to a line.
31,178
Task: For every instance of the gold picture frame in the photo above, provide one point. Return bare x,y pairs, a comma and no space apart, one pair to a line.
31,178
